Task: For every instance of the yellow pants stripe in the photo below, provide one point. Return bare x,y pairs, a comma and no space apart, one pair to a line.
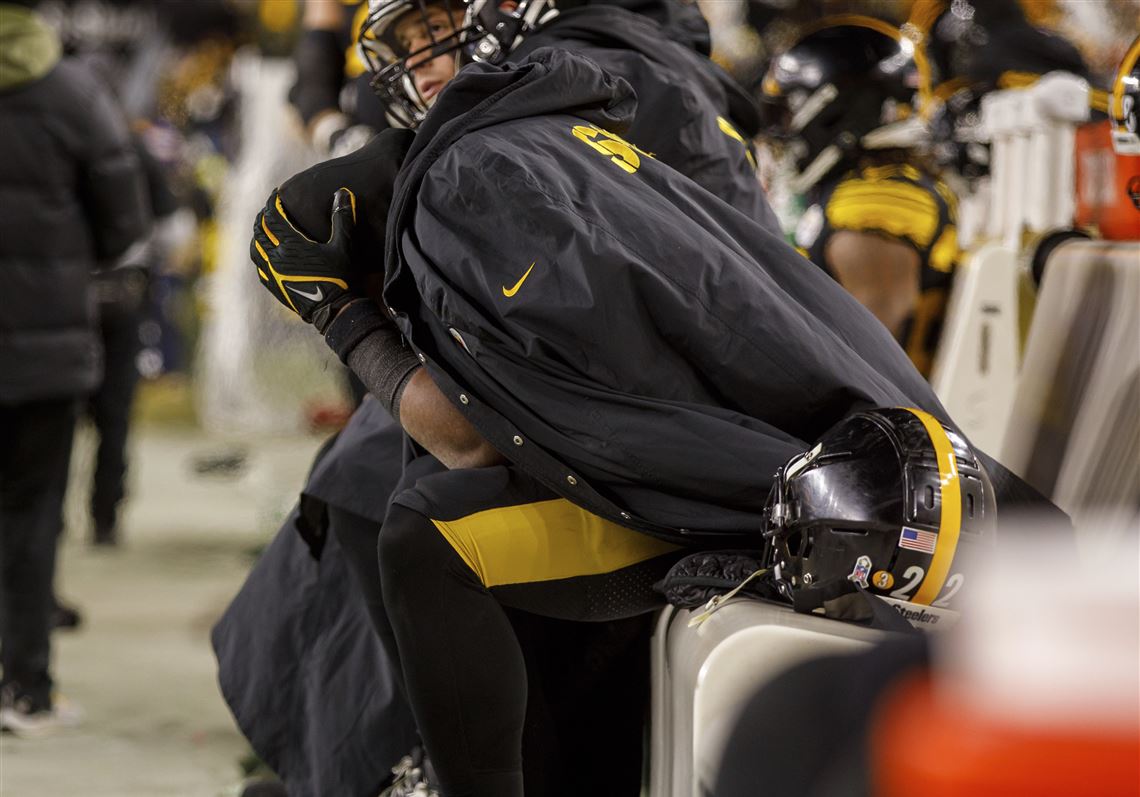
950,521
545,541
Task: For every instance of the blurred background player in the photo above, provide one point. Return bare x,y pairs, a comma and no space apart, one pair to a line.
122,293
74,197
975,49
843,101
331,93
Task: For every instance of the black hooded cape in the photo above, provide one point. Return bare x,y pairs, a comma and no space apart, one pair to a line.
633,342
690,113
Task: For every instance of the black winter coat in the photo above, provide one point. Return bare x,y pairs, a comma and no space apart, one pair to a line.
72,194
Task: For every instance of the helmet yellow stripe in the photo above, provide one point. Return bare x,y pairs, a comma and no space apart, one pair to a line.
887,29
1116,109
950,521
1014,79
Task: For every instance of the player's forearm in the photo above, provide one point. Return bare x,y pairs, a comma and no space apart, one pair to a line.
434,422
374,349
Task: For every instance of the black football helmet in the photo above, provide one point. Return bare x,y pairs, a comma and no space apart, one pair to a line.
392,64
889,501
1124,104
498,31
487,33
974,48
850,84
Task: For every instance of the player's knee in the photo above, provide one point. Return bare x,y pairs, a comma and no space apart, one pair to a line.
409,551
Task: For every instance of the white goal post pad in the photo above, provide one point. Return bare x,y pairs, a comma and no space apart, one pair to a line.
703,676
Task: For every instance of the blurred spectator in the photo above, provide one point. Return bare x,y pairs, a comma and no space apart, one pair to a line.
841,101
121,293
332,93
71,195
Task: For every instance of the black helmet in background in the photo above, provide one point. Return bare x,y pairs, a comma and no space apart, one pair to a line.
975,47
849,85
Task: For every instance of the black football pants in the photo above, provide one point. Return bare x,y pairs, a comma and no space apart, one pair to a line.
587,683
35,449
455,549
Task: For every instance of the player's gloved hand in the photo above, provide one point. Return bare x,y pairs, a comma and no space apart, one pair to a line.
314,280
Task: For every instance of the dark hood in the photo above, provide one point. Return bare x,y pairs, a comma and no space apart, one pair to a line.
483,95
29,48
682,22
551,81
623,26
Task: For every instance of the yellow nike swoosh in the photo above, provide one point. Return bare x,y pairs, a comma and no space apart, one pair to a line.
522,279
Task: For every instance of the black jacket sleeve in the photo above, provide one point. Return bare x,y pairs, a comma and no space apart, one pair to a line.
112,184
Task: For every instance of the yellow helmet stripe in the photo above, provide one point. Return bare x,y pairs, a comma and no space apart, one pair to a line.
1116,111
950,521
887,29
924,13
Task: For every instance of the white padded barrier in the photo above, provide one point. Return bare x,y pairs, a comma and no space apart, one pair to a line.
702,677
1056,105
975,372
1074,431
1032,189
1031,132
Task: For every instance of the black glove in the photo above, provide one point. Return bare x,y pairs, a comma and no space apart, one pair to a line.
370,173
314,280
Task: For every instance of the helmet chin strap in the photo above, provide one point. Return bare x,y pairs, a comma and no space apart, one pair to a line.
807,600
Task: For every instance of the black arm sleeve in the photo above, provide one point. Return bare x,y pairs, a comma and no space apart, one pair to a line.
320,73
369,343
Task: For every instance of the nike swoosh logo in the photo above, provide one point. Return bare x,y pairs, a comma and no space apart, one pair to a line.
315,296
522,279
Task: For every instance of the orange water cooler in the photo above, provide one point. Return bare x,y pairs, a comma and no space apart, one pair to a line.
1108,185
1035,693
